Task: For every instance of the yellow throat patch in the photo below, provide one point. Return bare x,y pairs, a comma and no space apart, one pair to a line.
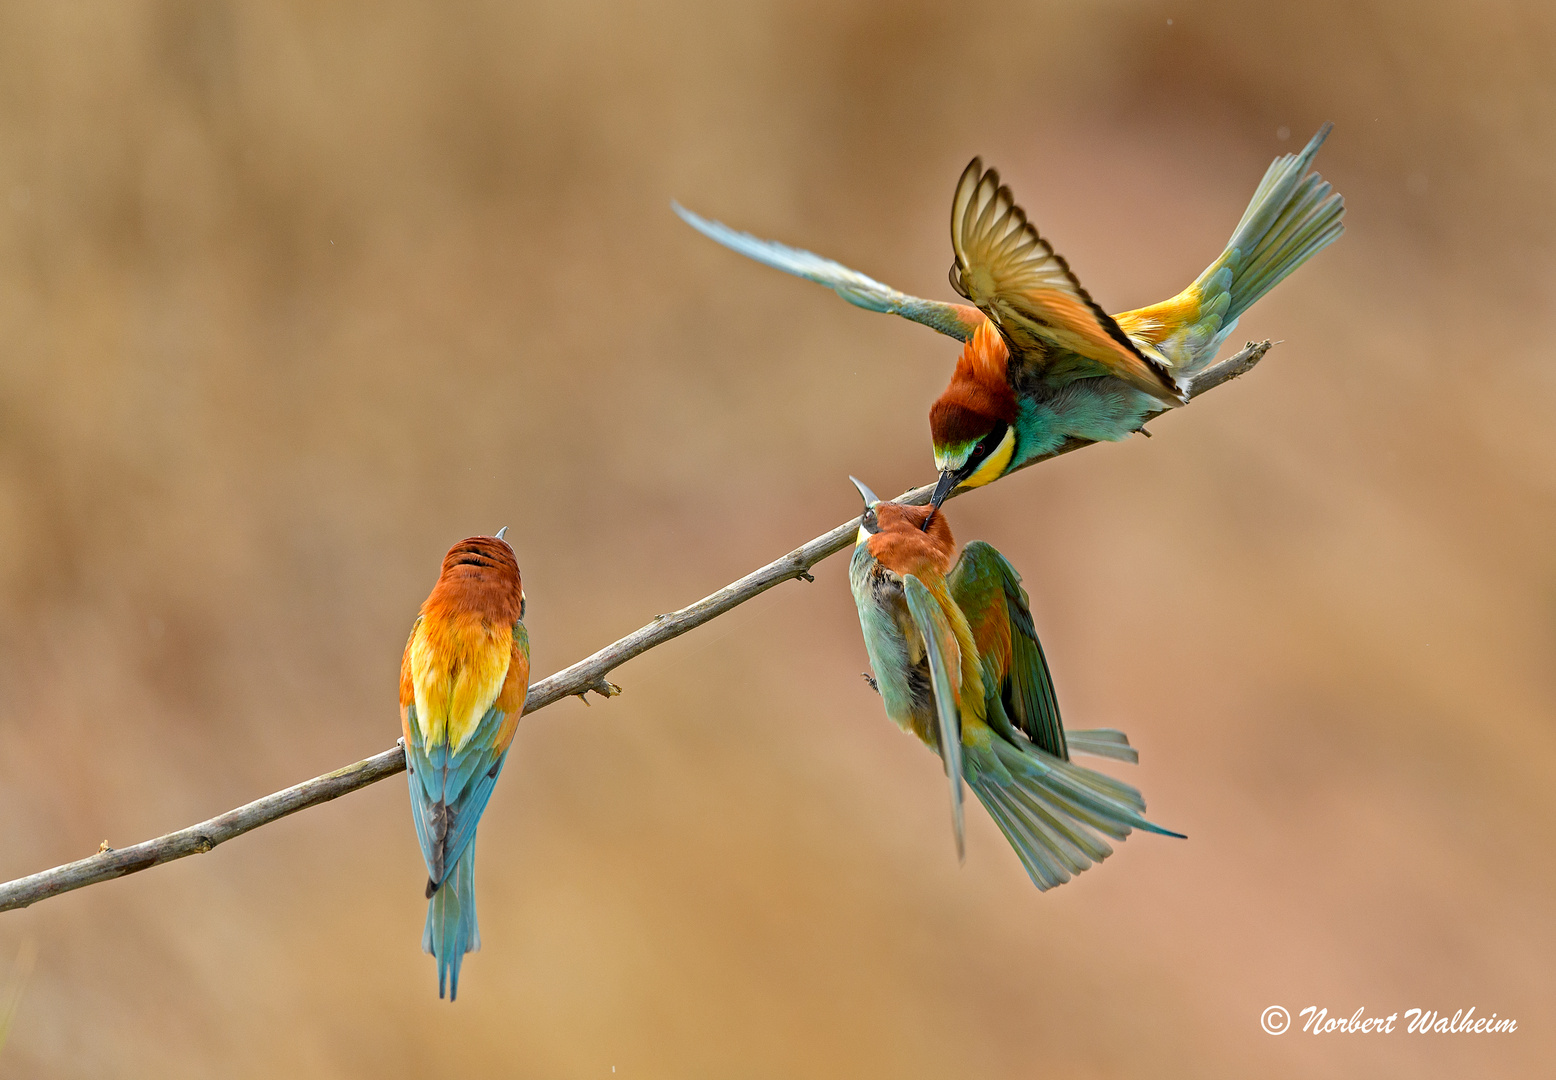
993,465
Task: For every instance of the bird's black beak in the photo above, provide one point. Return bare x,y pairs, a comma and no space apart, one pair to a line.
944,486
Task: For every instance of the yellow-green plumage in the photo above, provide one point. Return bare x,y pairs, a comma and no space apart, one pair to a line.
957,663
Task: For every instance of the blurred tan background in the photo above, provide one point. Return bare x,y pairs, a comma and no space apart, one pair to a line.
292,297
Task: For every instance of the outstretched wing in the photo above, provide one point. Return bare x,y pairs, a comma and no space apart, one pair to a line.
989,592
945,676
1029,292
953,320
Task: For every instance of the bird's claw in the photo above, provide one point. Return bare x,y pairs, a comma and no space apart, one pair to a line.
806,574
867,677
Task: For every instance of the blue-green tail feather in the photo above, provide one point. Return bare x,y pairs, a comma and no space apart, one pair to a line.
451,928
1055,813
1292,216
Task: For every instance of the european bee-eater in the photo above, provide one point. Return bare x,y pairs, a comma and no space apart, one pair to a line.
1042,363
958,664
462,686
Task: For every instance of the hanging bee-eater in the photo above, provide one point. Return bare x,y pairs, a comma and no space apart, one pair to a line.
462,686
958,664
1042,363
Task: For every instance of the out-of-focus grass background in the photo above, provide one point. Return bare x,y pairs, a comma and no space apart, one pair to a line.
292,297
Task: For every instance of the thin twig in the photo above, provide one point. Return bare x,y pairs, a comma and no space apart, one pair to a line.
1230,368
585,677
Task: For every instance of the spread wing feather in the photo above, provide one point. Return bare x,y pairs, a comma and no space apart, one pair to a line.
953,320
1027,289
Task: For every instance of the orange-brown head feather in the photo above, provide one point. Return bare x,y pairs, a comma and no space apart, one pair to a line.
979,395
480,576
904,546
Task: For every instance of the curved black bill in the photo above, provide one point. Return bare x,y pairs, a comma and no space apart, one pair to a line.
943,487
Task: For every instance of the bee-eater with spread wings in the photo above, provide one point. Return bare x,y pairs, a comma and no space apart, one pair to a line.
957,663
462,686
1042,363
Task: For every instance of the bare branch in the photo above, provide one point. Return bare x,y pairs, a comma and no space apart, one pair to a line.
1230,368
197,839
585,677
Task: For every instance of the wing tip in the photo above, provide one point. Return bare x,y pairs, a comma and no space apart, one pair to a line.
684,214
709,227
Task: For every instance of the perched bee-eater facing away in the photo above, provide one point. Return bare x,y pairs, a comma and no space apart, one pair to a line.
1042,363
957,663
462,686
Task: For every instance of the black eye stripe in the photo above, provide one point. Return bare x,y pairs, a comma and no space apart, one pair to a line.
988,444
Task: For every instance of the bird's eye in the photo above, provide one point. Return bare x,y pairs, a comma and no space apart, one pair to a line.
989,443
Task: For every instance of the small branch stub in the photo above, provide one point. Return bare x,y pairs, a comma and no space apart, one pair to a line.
601,686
